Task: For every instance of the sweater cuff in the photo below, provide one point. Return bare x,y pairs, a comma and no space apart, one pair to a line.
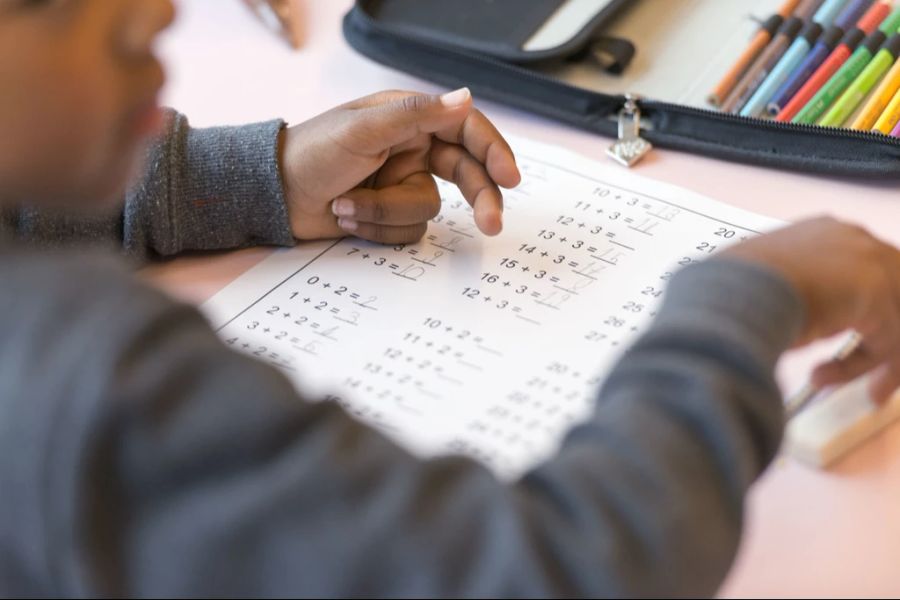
232,192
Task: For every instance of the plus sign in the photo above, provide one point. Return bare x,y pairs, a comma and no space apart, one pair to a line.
563,239
246,346
487,298
429,344
545,254
449,329
365,256
581,225
326,285
526,268
306,301
287,315
266,330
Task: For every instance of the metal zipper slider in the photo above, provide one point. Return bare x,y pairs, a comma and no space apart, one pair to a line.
630,147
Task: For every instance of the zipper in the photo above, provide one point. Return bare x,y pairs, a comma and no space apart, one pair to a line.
633,107
630,148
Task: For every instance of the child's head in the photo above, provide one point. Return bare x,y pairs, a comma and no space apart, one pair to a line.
78,95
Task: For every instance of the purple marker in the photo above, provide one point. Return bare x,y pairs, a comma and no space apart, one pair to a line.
896,131
852,13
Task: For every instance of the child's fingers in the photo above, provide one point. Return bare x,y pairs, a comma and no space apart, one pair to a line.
482,140
383,234
414,201
380,121
885,382
834,372
453,163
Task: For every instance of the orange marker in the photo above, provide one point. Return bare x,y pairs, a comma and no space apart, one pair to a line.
747,58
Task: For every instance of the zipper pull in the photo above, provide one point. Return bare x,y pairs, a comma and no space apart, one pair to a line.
630,148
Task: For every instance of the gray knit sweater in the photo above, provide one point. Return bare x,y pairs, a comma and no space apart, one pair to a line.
140,457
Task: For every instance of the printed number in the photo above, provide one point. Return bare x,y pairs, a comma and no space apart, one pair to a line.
725,233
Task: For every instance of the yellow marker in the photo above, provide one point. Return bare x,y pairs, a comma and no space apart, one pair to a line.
890,117
879,100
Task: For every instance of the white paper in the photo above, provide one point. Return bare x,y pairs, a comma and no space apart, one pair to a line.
489,347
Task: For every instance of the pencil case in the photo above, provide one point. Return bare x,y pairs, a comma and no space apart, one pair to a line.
635,70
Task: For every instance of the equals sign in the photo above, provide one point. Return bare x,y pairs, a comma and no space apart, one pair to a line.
573,263
592,249
646,207
610,235
394,266
629,220
517,309
451,223
315,325
335,311
535,294
413,251
354,296
432,237
554,279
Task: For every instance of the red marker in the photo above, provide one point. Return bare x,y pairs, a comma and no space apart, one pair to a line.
838,57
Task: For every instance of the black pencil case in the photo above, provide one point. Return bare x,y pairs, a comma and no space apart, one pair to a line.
479,44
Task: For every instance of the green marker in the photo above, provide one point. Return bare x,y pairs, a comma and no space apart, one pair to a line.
850,70
863,84
841,80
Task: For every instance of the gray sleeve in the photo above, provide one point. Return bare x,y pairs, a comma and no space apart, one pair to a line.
202,189
172,466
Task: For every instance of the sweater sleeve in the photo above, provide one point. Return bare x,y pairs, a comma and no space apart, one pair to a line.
201,189
160,463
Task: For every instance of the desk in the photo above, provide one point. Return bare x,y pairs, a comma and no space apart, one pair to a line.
809,533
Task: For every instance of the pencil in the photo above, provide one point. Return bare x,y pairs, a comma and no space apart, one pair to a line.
808,392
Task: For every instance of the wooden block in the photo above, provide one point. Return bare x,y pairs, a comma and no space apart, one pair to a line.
833,426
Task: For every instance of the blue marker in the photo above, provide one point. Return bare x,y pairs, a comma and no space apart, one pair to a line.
793,57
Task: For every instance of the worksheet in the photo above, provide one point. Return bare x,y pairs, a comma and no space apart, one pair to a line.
487,347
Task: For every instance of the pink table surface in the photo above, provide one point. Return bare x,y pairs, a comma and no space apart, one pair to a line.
809,533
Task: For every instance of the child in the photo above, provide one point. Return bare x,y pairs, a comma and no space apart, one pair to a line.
140,457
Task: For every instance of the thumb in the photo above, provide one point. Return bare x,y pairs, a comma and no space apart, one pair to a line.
392,118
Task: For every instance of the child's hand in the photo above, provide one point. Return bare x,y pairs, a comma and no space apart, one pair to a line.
365,168
847,279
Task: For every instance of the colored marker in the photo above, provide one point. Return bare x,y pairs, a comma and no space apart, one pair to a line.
863,84
756,74
852,13
795,80
869,22
792,57
880,99
746,60
841,80
828,12
890,117
896,131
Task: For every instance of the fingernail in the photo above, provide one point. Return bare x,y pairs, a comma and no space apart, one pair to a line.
347,224
456,98
342,207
